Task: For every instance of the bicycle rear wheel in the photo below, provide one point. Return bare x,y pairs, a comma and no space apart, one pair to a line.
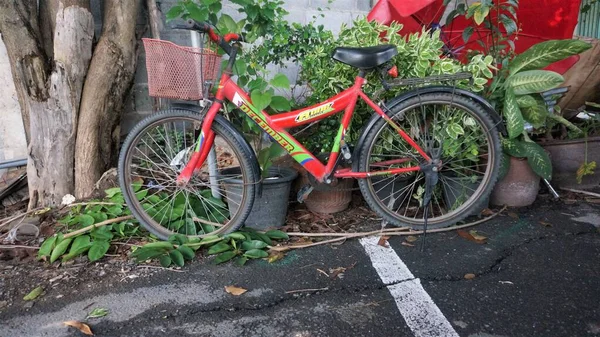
213,202
470,155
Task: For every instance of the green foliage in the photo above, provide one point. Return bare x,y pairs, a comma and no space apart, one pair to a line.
419,55
497,18
244,244
516,91
546,53
266,156
533,81
96,242
538,159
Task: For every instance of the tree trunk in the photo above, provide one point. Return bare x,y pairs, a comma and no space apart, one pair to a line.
108,81
154,19
49,91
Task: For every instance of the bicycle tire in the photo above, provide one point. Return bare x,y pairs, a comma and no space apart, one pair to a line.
474,201
224,134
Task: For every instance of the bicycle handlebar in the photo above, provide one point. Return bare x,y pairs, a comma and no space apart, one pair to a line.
204,27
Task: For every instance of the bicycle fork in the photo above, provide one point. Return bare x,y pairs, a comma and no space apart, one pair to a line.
203,148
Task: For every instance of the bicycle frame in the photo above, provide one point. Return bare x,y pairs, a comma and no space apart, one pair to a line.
276,127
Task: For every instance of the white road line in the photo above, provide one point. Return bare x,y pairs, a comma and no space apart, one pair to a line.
421,314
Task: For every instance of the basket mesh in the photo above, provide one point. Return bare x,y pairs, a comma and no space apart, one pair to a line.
179,72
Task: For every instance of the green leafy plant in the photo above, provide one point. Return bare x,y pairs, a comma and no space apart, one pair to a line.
499,20
242,245
95,243
516,92
419,55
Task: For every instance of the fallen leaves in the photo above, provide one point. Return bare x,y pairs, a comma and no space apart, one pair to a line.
513,215
97,312
80,326
487,212
275,255
411,239
336,272
383,241
35,293
545,224
404,243
235,291
469,276
472,236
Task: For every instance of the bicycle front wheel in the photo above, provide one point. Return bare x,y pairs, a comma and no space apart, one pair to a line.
469,147
217,199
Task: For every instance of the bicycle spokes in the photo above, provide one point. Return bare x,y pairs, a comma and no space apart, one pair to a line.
459,147
201,206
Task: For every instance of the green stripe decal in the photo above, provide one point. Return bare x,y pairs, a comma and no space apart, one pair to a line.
337,140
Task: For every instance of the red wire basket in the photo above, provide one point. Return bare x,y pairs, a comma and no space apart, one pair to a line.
179,72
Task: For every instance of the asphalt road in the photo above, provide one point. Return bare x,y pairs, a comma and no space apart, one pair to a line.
537,275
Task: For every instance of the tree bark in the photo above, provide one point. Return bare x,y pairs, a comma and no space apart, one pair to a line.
49,90
108,81
154,19
28,61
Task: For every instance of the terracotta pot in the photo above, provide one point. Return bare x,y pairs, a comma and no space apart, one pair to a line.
334,200
568,155
518,188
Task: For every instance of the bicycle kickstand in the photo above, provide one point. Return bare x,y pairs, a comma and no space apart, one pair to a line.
431,179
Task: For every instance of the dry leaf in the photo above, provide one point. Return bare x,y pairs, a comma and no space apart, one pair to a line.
513,215
336,272
322,272
275,256
469,276
383,241
487,212
411,238
235,291
477,236
545,224
81,326
404,243
469,236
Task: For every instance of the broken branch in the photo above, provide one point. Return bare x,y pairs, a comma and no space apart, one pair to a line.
99,224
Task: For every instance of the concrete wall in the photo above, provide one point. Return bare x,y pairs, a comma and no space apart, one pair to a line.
12,133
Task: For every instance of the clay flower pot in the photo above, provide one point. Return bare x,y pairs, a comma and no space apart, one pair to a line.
518,188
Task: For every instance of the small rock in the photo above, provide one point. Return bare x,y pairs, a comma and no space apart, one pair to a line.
469,276
3,304
460,324
102,273
59,296
29,305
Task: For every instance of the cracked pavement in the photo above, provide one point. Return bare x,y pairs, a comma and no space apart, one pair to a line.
530,280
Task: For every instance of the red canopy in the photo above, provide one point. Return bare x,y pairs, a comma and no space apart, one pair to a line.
539,20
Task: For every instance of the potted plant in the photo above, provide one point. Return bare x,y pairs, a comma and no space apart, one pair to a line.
516,92
575,154
270,207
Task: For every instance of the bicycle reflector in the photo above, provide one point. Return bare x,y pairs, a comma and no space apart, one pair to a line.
393,72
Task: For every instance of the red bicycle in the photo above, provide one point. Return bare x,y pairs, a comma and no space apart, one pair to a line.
427,158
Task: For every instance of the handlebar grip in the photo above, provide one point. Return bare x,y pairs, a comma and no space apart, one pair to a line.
203,28
233,37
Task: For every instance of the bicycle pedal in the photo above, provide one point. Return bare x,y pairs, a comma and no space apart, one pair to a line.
304,192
